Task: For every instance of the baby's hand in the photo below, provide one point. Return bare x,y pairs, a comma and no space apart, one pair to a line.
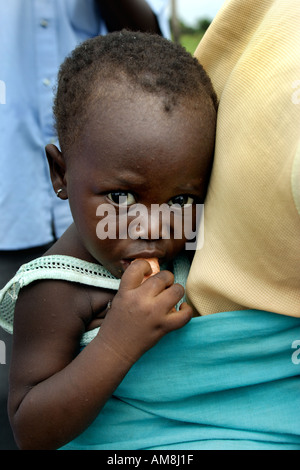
143,312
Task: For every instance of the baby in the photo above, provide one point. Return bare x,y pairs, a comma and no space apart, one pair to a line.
135,116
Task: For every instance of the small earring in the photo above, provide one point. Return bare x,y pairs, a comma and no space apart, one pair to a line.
58,192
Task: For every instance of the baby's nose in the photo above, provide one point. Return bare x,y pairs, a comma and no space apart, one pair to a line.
152,224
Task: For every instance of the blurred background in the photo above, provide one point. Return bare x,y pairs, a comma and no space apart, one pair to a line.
190,19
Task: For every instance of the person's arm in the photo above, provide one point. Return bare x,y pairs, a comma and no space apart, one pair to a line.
135,15
57,391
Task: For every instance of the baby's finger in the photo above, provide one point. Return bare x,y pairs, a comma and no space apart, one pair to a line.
178,319
134,274
158,283
170,297
154,263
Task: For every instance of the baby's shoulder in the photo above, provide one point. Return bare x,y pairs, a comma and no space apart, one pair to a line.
45,303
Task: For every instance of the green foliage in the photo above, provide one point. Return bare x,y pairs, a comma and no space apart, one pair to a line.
190,41
190,36
200,26
203,24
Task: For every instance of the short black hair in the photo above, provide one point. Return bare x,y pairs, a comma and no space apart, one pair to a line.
151,63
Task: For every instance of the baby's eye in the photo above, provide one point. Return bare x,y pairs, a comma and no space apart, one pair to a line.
122,198
182,200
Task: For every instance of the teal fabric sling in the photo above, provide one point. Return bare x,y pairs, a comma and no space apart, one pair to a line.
225,381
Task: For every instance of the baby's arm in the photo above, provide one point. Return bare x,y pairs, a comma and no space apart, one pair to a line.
56,392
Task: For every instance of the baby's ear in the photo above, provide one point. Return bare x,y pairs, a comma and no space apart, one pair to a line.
57,168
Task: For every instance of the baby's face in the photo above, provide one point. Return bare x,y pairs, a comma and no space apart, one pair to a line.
132,159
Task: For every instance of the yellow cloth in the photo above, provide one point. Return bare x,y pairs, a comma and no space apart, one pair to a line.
251,253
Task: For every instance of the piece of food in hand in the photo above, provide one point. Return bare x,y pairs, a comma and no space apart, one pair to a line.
154,266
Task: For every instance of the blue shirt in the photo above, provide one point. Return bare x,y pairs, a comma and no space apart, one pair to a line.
35,37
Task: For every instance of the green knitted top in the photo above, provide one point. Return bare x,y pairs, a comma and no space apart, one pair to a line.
67,268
